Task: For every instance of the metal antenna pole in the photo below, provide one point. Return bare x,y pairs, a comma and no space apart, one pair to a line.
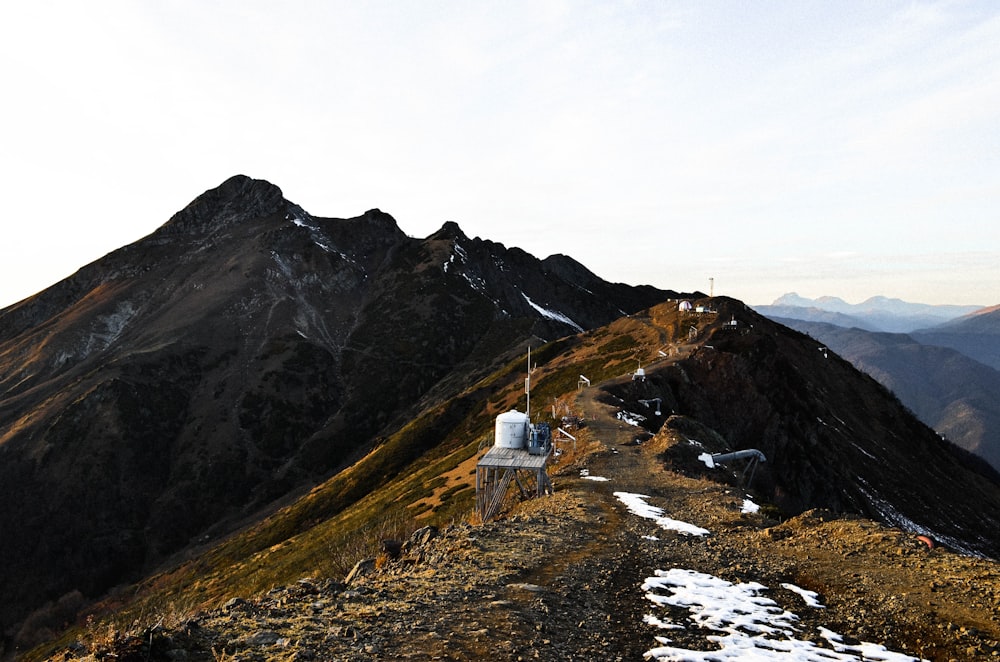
527,388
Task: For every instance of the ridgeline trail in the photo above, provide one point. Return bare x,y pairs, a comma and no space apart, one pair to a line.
560,577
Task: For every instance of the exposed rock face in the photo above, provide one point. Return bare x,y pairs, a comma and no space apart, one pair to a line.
236,200
245,349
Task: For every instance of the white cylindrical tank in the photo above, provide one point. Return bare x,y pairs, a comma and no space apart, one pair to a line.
512,429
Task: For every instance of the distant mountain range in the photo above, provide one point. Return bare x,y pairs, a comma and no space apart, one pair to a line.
251,379
875,314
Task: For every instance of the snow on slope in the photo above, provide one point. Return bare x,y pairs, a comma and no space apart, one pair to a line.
744,623
636,504
753,627
552,314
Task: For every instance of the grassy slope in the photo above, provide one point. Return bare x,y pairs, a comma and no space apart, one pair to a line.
412,479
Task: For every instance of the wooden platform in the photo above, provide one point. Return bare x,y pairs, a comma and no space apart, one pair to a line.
498,467
512,458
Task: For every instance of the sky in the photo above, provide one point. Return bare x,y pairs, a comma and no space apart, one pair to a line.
847,149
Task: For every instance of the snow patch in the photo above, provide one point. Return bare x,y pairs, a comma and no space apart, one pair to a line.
649,619
585,473
752,627
552,314
717,604
314,232
476,283
459,252
636,504
864,451
283,265
811,598
630,418
867,651
749,506
106,330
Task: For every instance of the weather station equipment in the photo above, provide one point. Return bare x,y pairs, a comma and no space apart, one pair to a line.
751,455
656,401
519,454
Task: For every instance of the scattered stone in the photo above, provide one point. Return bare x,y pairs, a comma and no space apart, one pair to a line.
420,538
236,603
264,638
362,568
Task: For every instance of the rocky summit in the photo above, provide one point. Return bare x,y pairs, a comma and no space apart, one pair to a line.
254,434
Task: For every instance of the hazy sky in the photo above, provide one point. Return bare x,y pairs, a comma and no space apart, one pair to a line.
843,148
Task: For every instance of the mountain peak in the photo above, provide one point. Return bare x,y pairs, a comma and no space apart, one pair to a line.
793,299
450,230
235,200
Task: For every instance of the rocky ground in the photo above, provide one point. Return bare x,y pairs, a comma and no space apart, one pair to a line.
559,578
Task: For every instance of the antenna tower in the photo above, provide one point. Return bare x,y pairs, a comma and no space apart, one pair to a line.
527,388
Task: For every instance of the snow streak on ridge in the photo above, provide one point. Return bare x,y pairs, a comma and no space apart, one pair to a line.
552,314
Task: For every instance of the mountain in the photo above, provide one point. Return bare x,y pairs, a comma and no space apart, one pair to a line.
253,395
581,574
874,314
946,389
976,334
244,351
815,315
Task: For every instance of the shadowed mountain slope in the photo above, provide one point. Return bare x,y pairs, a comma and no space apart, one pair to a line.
713,381
976,335
833,436
240,353
947,390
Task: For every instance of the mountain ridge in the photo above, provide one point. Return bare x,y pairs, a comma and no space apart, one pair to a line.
244,350
976,335
254,383
559,576
877,313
